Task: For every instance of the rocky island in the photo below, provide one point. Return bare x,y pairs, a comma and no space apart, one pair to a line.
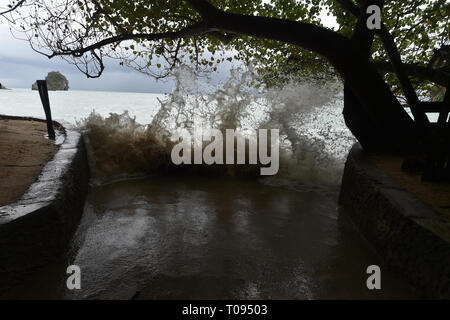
55,81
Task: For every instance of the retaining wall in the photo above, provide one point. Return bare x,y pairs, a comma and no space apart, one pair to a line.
37,229
412,239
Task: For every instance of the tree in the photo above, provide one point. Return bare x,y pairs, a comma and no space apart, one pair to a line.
375,64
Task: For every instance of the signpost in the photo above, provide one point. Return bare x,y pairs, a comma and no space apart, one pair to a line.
43,92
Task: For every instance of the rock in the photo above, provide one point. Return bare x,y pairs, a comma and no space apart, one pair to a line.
55,81
2,87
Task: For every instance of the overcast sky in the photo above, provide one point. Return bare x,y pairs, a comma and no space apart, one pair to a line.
20,66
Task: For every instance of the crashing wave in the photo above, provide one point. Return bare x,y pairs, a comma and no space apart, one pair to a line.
314,139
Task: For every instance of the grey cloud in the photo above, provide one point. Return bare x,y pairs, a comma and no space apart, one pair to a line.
20,66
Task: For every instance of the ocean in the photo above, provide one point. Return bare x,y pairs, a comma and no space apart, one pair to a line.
74,105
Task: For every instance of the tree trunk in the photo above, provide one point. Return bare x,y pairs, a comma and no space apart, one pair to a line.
371,111
359,122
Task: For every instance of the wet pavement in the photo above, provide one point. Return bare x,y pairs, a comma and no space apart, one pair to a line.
200,238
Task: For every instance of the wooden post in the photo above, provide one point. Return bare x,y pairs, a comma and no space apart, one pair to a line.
43,92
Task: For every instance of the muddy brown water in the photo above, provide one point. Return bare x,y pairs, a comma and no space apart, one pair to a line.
204,238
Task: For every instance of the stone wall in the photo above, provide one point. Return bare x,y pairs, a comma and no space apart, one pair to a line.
412,239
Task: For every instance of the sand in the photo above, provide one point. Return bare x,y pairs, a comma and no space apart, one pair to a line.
24,151
435,194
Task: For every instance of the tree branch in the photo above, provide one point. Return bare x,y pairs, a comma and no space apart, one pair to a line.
438,76
327,43
195,29
18,4
405,83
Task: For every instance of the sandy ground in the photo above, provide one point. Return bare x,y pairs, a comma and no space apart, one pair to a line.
436,194
24,150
